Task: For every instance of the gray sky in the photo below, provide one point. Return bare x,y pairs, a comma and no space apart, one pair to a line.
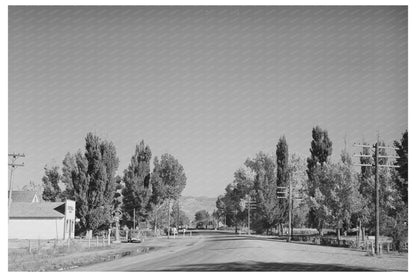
210,85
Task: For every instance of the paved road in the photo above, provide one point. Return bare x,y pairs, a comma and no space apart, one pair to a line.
227,252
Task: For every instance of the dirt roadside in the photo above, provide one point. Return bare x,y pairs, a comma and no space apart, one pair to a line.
67,261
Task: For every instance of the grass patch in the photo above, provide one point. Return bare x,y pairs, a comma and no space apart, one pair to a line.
53,257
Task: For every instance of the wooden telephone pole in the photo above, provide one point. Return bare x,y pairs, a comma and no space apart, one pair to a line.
12,163
376,165
285,193
250,205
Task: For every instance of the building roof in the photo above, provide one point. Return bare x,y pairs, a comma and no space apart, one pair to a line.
37,210
23,196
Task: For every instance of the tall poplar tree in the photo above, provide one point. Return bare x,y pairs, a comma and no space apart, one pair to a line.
282,175
137,190
402,170
321,149
90,181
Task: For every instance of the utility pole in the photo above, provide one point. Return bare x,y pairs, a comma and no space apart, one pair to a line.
248,223
134,219
13,165
169,218
377,199
283,194
290,212
376,165
250,205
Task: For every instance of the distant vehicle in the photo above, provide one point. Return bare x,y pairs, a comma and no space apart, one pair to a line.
135,236
200,225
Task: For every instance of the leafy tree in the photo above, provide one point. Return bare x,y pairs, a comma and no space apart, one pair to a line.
179,216
269,210
298,178
402,160
230,203
282,177
398,228
262,163
321,149
137,190
346,199
216,218
90,181
202,217
118,199
282,163
158,215
51,189
221,211
75,177
169,180
158,196
337,196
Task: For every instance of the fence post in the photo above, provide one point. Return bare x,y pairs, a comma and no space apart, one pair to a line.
97,240
103,241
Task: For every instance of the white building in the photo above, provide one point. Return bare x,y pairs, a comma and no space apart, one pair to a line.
42,220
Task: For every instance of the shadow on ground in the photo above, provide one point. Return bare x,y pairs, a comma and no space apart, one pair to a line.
262,266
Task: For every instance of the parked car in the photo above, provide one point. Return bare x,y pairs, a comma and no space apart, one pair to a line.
200,225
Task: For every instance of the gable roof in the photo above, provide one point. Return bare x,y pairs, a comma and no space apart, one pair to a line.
23,196
37,210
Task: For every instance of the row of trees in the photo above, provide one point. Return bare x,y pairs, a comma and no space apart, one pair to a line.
103,198
326,194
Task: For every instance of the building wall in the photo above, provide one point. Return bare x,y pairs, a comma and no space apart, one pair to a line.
69,219
42,228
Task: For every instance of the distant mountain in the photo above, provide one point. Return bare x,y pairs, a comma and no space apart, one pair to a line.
190,205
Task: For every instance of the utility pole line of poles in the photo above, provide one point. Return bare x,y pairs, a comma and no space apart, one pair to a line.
376,165
250,204
13,165
288,194
248,224
290,212
283,194
134,219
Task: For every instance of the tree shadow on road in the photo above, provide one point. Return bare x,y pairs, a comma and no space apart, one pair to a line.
264,266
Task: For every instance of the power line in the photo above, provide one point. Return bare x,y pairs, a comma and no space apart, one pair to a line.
376,165
12,163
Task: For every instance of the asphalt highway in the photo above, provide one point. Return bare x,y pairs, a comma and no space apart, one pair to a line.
216,251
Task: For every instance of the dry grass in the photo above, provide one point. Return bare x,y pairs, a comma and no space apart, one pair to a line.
54,256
